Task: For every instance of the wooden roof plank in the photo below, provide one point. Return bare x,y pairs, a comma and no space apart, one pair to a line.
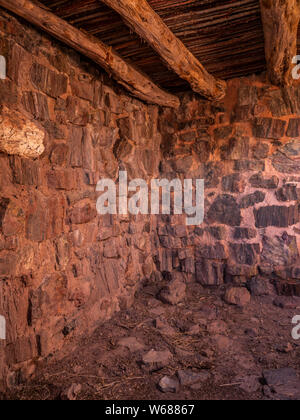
124,73
148,25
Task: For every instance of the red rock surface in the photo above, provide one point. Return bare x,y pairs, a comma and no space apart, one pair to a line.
64,269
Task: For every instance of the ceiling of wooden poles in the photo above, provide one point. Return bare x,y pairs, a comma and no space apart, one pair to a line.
225,35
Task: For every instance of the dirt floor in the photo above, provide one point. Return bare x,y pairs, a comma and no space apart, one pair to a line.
205,347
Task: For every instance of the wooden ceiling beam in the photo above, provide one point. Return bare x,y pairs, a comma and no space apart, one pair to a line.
123,72
280,21
149,26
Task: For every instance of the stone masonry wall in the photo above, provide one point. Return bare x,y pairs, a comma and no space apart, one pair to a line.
63,268
247,149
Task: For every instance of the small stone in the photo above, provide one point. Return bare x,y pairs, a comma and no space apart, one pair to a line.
278,251
28,371
82,214
276,377
294,128
233,183
174,292
155,360
198,386
52,83
288,192
71,393
268,393
261,150
259,286
252,199
287,302
210,272
36,104
245,254
278,216
258,181
269,128
168,384
131,343
249,384
189,378
237,296
212,252
225,210
244,233
283,382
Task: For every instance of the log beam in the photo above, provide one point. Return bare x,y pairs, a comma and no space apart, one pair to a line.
124,73
149,26
280,21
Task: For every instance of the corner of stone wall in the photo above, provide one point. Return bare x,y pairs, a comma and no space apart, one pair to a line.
247,149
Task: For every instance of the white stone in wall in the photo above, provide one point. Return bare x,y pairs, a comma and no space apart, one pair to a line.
2,67
2,328
20,136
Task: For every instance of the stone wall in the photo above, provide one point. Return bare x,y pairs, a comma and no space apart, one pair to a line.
248,151
63,268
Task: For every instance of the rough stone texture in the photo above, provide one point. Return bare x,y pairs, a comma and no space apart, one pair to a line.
287,158
168,385
279,216
245,254
284,383
279,251
210,272
238,296
225,210
252,185
257,181
174,292
189,378
259,286
244,233
252,199
20,136
269,128
294,128
63,268
288,192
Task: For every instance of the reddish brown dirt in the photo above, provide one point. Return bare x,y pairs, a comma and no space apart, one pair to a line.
258,337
